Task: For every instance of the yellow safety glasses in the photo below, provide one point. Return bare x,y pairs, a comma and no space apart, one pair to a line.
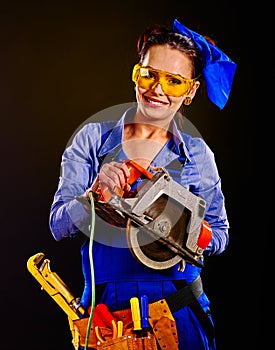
172,84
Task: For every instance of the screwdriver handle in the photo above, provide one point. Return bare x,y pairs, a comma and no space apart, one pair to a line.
144,311
134,302
119,329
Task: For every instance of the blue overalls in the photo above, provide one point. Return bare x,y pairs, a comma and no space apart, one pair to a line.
119,277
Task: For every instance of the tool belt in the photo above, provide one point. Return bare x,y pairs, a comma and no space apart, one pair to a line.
162,324
162,333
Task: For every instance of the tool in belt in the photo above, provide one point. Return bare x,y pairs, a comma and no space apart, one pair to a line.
157,324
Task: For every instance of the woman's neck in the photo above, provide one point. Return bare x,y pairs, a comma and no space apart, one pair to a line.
145,131
143,141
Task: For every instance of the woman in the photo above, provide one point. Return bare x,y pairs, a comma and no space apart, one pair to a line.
172,61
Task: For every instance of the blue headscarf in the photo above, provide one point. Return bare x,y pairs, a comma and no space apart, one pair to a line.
218,69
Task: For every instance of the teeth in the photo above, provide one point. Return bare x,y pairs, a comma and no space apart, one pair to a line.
154,102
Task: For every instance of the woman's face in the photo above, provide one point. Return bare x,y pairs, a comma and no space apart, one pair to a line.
154,103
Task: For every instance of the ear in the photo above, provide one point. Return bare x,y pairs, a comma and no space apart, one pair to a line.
194,89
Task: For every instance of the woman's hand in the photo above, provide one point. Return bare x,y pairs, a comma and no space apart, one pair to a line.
111,178
114,174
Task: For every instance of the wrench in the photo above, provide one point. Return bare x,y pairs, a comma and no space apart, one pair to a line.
54,286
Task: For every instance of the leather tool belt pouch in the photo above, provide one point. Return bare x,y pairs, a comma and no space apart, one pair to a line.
162,331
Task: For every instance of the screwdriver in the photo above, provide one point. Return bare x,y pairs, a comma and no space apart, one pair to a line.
119,329
144,315
134,302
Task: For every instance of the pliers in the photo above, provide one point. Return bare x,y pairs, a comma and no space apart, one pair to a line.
103,318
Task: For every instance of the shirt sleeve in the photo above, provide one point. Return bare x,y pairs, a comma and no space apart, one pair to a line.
207,185
67,214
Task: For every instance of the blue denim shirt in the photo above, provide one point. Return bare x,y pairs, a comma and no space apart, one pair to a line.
80,165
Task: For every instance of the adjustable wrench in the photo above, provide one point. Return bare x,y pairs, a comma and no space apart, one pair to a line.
54,286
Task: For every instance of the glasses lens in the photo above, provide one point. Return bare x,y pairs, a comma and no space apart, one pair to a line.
172,84
145,77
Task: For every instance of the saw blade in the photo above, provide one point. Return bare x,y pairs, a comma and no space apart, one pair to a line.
109,214
168,224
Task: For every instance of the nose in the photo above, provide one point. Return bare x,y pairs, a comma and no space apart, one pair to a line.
157,88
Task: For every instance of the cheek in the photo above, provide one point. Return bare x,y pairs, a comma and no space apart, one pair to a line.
176,102
139,92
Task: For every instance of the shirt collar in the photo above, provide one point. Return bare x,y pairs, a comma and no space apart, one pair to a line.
115,137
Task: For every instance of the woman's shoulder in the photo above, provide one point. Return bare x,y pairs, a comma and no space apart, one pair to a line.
196,148
192,141
95,128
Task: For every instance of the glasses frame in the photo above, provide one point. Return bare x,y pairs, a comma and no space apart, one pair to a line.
173,90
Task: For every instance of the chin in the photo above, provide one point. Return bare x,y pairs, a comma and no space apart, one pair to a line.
154,112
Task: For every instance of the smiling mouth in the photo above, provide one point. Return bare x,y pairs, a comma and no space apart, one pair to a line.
154,102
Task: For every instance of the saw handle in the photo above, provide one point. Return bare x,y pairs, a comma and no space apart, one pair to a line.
136,171
103,192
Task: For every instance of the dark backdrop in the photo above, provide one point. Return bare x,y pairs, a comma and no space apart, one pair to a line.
63,61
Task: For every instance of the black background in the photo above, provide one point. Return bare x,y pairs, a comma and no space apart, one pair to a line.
63,61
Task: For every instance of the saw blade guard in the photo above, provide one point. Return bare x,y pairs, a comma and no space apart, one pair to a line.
155,244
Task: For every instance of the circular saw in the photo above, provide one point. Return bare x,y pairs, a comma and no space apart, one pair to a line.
164,222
